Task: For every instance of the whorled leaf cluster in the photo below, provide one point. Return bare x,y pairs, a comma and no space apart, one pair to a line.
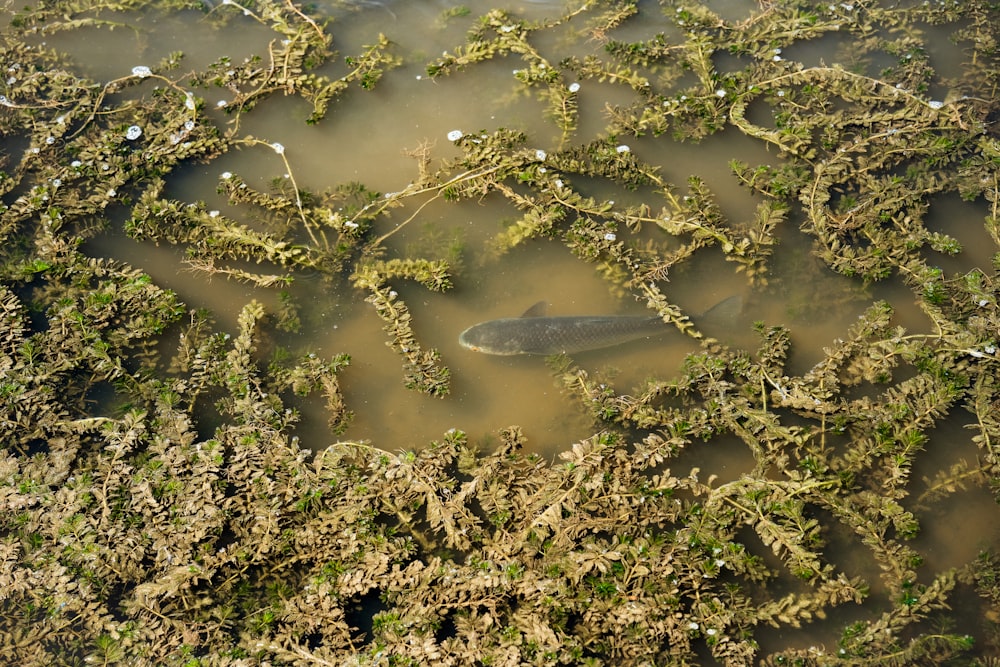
137,530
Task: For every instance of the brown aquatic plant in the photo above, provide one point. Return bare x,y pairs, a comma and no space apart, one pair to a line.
158,506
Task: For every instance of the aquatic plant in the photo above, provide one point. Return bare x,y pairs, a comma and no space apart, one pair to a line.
159,507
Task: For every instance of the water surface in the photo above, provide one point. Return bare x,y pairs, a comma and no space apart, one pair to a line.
363,139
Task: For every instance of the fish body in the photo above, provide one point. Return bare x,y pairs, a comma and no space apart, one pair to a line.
554,335
533,333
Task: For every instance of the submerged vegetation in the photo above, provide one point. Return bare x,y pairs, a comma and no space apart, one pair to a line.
160,508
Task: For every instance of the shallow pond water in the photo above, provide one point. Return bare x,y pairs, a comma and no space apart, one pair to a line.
363,139
371,137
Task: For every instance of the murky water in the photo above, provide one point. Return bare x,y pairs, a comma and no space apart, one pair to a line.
362,139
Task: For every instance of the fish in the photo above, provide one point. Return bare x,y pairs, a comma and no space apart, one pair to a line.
534,333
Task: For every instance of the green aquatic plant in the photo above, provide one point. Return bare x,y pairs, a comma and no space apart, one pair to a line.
159,505
422,368
291,61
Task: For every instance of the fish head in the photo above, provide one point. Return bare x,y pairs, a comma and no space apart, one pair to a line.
485,338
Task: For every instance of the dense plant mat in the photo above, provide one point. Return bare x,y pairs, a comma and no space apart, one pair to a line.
136,529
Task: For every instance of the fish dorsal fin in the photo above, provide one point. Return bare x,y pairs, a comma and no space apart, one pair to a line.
537,310
724,313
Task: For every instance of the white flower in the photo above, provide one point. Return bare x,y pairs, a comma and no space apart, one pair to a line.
934,104
623,149
189,101
558,183
693,626
76,164
781,93
506,28
711,632
189,125
610,236
540,154
720,93
221,104
350,224
56,182
133,133
574,87
278,148
719,562
141,71
112,192
213,214
776,58
226,175
989,349
50,140
982,303
455,135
